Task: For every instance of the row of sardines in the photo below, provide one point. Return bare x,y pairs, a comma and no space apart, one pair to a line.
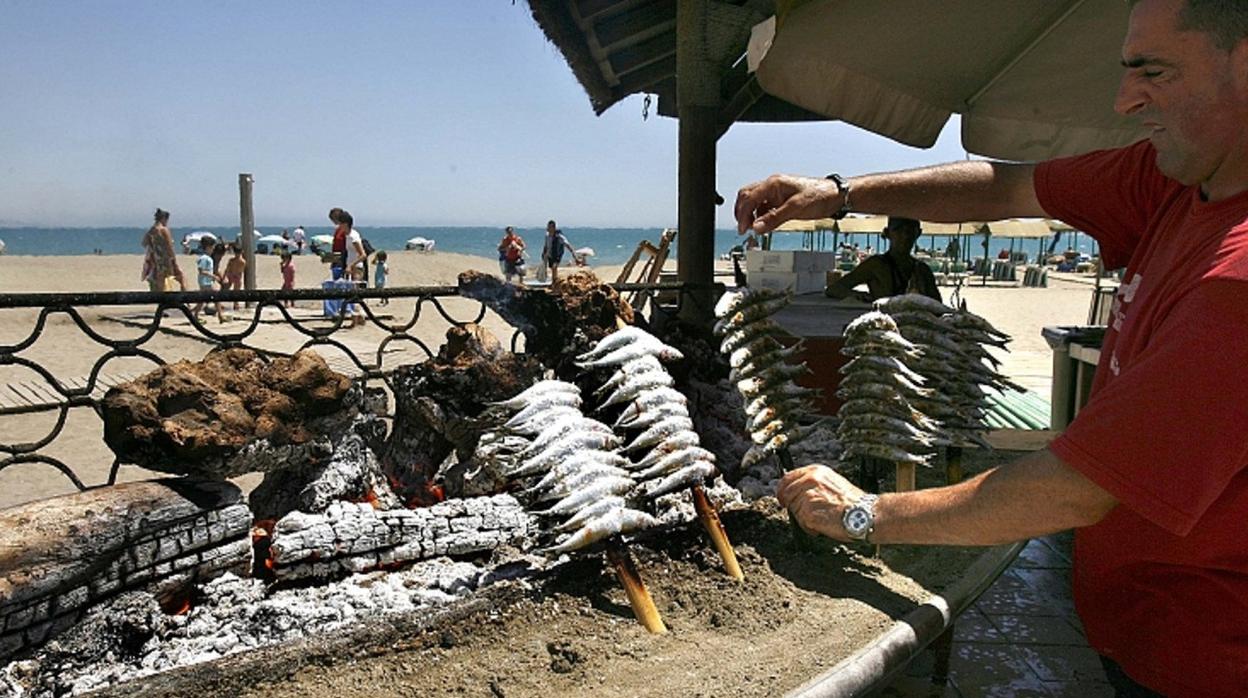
915,379
763,372
576,472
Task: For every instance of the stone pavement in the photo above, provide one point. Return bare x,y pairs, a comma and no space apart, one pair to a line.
1021,638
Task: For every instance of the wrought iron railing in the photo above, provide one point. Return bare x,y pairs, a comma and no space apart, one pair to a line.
152,315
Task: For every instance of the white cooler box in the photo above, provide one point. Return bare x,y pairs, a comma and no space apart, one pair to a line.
798,282
789,261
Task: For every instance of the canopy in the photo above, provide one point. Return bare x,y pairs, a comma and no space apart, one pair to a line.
1032,79
1019,228
274,240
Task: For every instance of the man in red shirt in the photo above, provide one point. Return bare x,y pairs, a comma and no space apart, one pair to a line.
1152,473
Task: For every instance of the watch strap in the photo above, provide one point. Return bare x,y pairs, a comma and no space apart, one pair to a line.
843,187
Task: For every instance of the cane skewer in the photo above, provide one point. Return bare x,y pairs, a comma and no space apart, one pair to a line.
715,529
638,596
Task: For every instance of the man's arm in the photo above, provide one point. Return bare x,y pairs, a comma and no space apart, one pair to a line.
961,191
861,274
1033,496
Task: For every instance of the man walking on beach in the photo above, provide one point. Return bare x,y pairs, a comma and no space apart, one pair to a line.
1152,473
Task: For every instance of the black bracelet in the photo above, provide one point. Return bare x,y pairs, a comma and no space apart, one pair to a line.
842,187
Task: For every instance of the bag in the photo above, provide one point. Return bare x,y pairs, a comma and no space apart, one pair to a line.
368,246
171,284
540,274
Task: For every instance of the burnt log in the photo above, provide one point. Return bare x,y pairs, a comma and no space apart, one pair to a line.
352,473
558,322
60,556
232,413
438,406
349,537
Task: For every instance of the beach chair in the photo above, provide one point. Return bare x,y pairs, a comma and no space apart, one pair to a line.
650,270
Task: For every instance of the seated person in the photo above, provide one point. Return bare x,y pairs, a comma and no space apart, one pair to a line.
893,273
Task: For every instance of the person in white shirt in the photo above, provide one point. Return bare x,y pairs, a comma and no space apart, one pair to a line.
299,237
355,261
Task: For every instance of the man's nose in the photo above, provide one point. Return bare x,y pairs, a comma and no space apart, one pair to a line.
1130,98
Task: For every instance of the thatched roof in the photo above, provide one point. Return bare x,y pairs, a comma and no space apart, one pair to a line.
621,47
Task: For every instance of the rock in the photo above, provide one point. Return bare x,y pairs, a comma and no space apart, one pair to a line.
232,413
438,405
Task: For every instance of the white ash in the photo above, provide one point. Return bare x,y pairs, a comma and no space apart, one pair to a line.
761,479
677,507
235,615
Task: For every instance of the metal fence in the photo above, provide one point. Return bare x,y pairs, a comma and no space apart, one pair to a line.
327,328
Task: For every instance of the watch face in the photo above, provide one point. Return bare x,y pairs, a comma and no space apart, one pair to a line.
857,521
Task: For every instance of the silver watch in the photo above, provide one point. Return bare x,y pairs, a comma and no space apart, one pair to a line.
859,519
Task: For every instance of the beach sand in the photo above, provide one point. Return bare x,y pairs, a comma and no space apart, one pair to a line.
68,353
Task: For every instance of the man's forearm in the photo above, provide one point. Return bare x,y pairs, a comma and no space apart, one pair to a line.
1033,496
956,192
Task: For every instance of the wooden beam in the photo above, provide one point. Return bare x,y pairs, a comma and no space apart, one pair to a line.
589,11
639,80
631,58
635,26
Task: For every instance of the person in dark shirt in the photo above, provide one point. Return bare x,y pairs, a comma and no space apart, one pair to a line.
893,273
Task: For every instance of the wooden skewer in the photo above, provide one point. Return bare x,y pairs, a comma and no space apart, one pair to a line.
638,596
715,529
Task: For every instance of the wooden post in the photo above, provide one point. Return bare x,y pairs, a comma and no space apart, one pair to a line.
247,228
953,465
905,477
698,96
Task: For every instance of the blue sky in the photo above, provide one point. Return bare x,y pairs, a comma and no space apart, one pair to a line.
424,112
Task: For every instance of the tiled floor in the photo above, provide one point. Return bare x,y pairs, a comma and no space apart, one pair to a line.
1021,638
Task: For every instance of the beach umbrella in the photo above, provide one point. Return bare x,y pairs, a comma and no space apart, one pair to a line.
274,240
1032,79
323,239
420,244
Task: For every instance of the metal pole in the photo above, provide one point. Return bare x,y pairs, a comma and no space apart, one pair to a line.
247,227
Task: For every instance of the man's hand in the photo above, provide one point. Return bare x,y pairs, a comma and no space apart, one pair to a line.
762,206
817,497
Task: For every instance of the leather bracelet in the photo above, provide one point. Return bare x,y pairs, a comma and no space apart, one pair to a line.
842,186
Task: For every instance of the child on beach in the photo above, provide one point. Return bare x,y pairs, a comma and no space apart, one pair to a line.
381,270
288,275
234,268
207,277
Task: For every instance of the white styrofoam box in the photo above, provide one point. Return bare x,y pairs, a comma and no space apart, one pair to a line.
769,260
798,282
822,261
771,280
797,261
811,282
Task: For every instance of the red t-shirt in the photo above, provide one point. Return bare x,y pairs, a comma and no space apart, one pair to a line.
1161,583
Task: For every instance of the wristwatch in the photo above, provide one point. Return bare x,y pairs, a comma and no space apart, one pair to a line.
859,519
842,187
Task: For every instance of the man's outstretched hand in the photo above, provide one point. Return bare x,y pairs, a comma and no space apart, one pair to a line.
817,498
762,206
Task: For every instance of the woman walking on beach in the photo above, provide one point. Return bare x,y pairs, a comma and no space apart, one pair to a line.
511,253
160,262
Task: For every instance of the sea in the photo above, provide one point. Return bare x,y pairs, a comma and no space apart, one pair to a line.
610,245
